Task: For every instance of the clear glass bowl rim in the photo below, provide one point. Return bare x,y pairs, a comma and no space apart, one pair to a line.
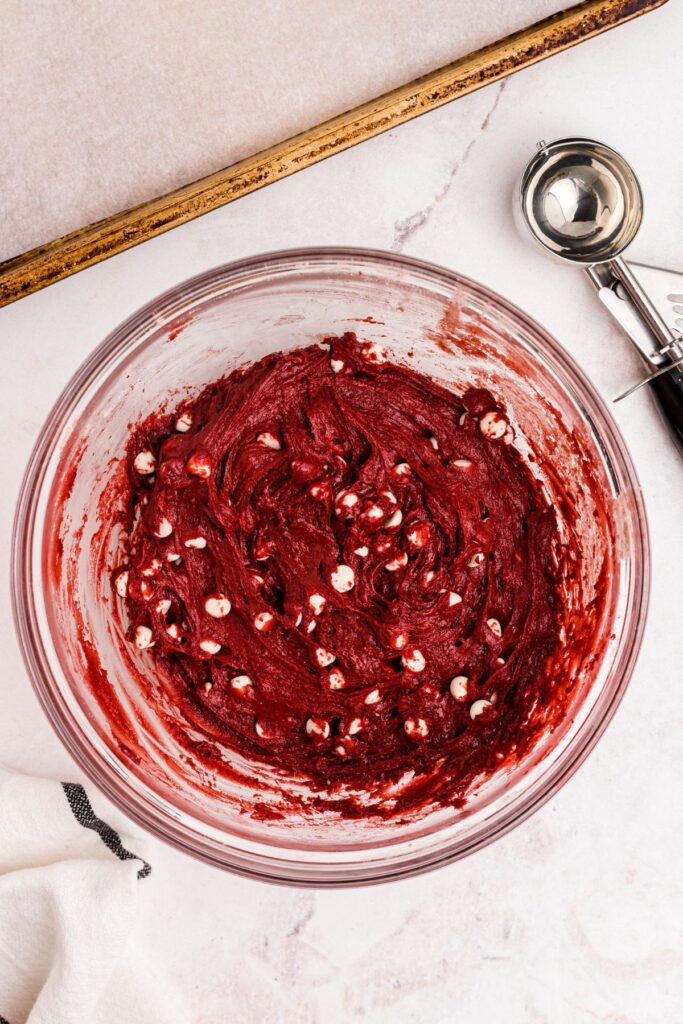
170,304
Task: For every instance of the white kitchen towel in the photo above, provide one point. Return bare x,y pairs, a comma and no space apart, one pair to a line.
69,892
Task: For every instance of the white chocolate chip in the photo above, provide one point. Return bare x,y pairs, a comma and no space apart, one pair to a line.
362,551
145,590
240,683
152,568
434,443
184,422
164,606
476,559
145,463
463,417
336,680
318,491
394,520
478,707
372,697
374,512
398,641
164,529
374,353
509,435
324,658
401,469
268,440
173,631
347,499
399,562
263,622
495,626
143,638
299,620
317,603
343,578
462,463
199,465
208,687
311,626
453,599
209,646
356,725
260,731
121,583
419,535
416,727
390,496
341,750
196,542
218,606
413,660
429,576
493,425
173,556
318,727
337,365
458,688
500,661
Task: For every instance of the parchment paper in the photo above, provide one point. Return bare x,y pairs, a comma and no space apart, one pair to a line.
108,104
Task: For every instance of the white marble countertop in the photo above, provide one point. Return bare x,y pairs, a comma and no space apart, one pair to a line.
576,916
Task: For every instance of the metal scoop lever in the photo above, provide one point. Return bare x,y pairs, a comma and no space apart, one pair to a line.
617,301
665,288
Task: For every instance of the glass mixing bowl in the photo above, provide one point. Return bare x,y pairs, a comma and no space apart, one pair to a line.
64,548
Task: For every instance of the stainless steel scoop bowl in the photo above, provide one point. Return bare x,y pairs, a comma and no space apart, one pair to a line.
581,201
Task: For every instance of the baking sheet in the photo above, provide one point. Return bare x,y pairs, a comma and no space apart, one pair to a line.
107,105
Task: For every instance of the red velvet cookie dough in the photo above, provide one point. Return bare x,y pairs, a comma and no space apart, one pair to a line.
344,570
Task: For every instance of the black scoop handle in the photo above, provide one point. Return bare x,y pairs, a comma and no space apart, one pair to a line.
668,394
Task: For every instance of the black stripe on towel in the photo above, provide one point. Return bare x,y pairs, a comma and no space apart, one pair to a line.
84,814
